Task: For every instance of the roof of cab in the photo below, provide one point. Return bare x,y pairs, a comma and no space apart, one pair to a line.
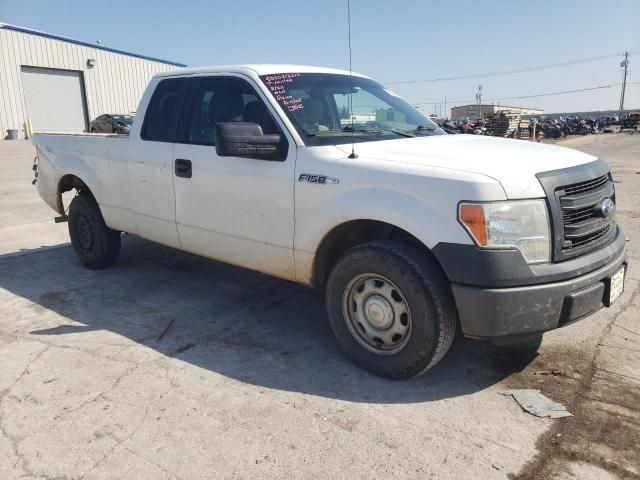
256,69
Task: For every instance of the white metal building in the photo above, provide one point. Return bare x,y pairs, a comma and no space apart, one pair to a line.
475,111
60,84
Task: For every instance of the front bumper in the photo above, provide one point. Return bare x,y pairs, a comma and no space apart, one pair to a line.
494,312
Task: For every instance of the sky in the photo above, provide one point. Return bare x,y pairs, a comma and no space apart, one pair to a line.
399,41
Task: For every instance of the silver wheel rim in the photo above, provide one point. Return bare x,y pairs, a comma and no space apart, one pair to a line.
377,314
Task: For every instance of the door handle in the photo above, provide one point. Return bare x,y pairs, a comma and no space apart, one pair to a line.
183,168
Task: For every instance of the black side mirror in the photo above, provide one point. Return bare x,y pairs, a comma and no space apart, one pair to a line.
244,139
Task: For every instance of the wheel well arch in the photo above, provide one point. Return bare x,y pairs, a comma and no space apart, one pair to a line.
69,182
350,234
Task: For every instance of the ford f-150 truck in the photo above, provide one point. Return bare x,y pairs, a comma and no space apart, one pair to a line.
331,180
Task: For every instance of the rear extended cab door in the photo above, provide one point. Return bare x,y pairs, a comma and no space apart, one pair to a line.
150,161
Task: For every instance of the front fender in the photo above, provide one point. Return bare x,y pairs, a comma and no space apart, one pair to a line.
428,224
420,199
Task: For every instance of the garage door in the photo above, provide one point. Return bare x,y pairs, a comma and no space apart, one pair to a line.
55,99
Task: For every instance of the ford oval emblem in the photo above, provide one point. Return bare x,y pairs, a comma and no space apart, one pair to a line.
605,208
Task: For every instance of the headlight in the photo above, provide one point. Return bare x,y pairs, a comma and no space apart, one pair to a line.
521,224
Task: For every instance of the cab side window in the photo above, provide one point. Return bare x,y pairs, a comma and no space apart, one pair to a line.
161,116
224,99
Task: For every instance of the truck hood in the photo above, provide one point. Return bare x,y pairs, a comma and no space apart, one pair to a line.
513,163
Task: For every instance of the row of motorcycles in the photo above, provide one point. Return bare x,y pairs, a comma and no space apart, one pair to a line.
563,126
477,127
552,128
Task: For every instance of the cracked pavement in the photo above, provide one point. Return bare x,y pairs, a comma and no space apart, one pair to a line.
169,366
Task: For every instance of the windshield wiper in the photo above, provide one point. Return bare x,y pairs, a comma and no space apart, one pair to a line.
374,131
322,132
422,128
378,130
399,132
345,131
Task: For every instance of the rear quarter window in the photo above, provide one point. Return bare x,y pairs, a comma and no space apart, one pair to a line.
160,119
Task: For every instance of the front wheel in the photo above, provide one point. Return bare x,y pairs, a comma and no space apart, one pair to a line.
96,245
391,308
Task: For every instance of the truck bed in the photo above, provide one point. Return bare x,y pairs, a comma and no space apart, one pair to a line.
100,160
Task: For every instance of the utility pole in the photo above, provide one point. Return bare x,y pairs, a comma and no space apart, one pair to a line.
625,64
445,107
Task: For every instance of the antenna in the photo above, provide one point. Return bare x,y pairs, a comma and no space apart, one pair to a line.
353,152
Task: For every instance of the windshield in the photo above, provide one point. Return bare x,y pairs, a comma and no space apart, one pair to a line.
318,105
126,119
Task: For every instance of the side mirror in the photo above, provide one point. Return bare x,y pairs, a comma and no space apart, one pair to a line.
244,139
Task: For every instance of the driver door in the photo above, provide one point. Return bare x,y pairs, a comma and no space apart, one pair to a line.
237,210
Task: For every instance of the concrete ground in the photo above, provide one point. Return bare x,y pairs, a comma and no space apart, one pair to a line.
168,366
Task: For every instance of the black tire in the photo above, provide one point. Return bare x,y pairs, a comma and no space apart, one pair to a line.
96,245
423,288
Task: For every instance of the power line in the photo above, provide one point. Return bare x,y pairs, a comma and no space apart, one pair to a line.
527,96
507,72
558,93
437,103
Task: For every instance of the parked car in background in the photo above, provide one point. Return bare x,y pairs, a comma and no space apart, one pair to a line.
631,121
112,123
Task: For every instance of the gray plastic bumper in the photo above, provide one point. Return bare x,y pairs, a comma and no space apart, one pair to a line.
501,312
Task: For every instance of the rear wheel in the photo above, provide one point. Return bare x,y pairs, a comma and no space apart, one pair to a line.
391,308
96,245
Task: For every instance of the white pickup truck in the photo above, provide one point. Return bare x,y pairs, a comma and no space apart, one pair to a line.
331,180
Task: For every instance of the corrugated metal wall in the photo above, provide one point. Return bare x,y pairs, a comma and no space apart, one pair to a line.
114,85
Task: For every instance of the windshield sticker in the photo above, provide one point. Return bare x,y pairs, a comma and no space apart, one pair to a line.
277,85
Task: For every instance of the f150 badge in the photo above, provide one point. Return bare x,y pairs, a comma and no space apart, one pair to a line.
312,178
